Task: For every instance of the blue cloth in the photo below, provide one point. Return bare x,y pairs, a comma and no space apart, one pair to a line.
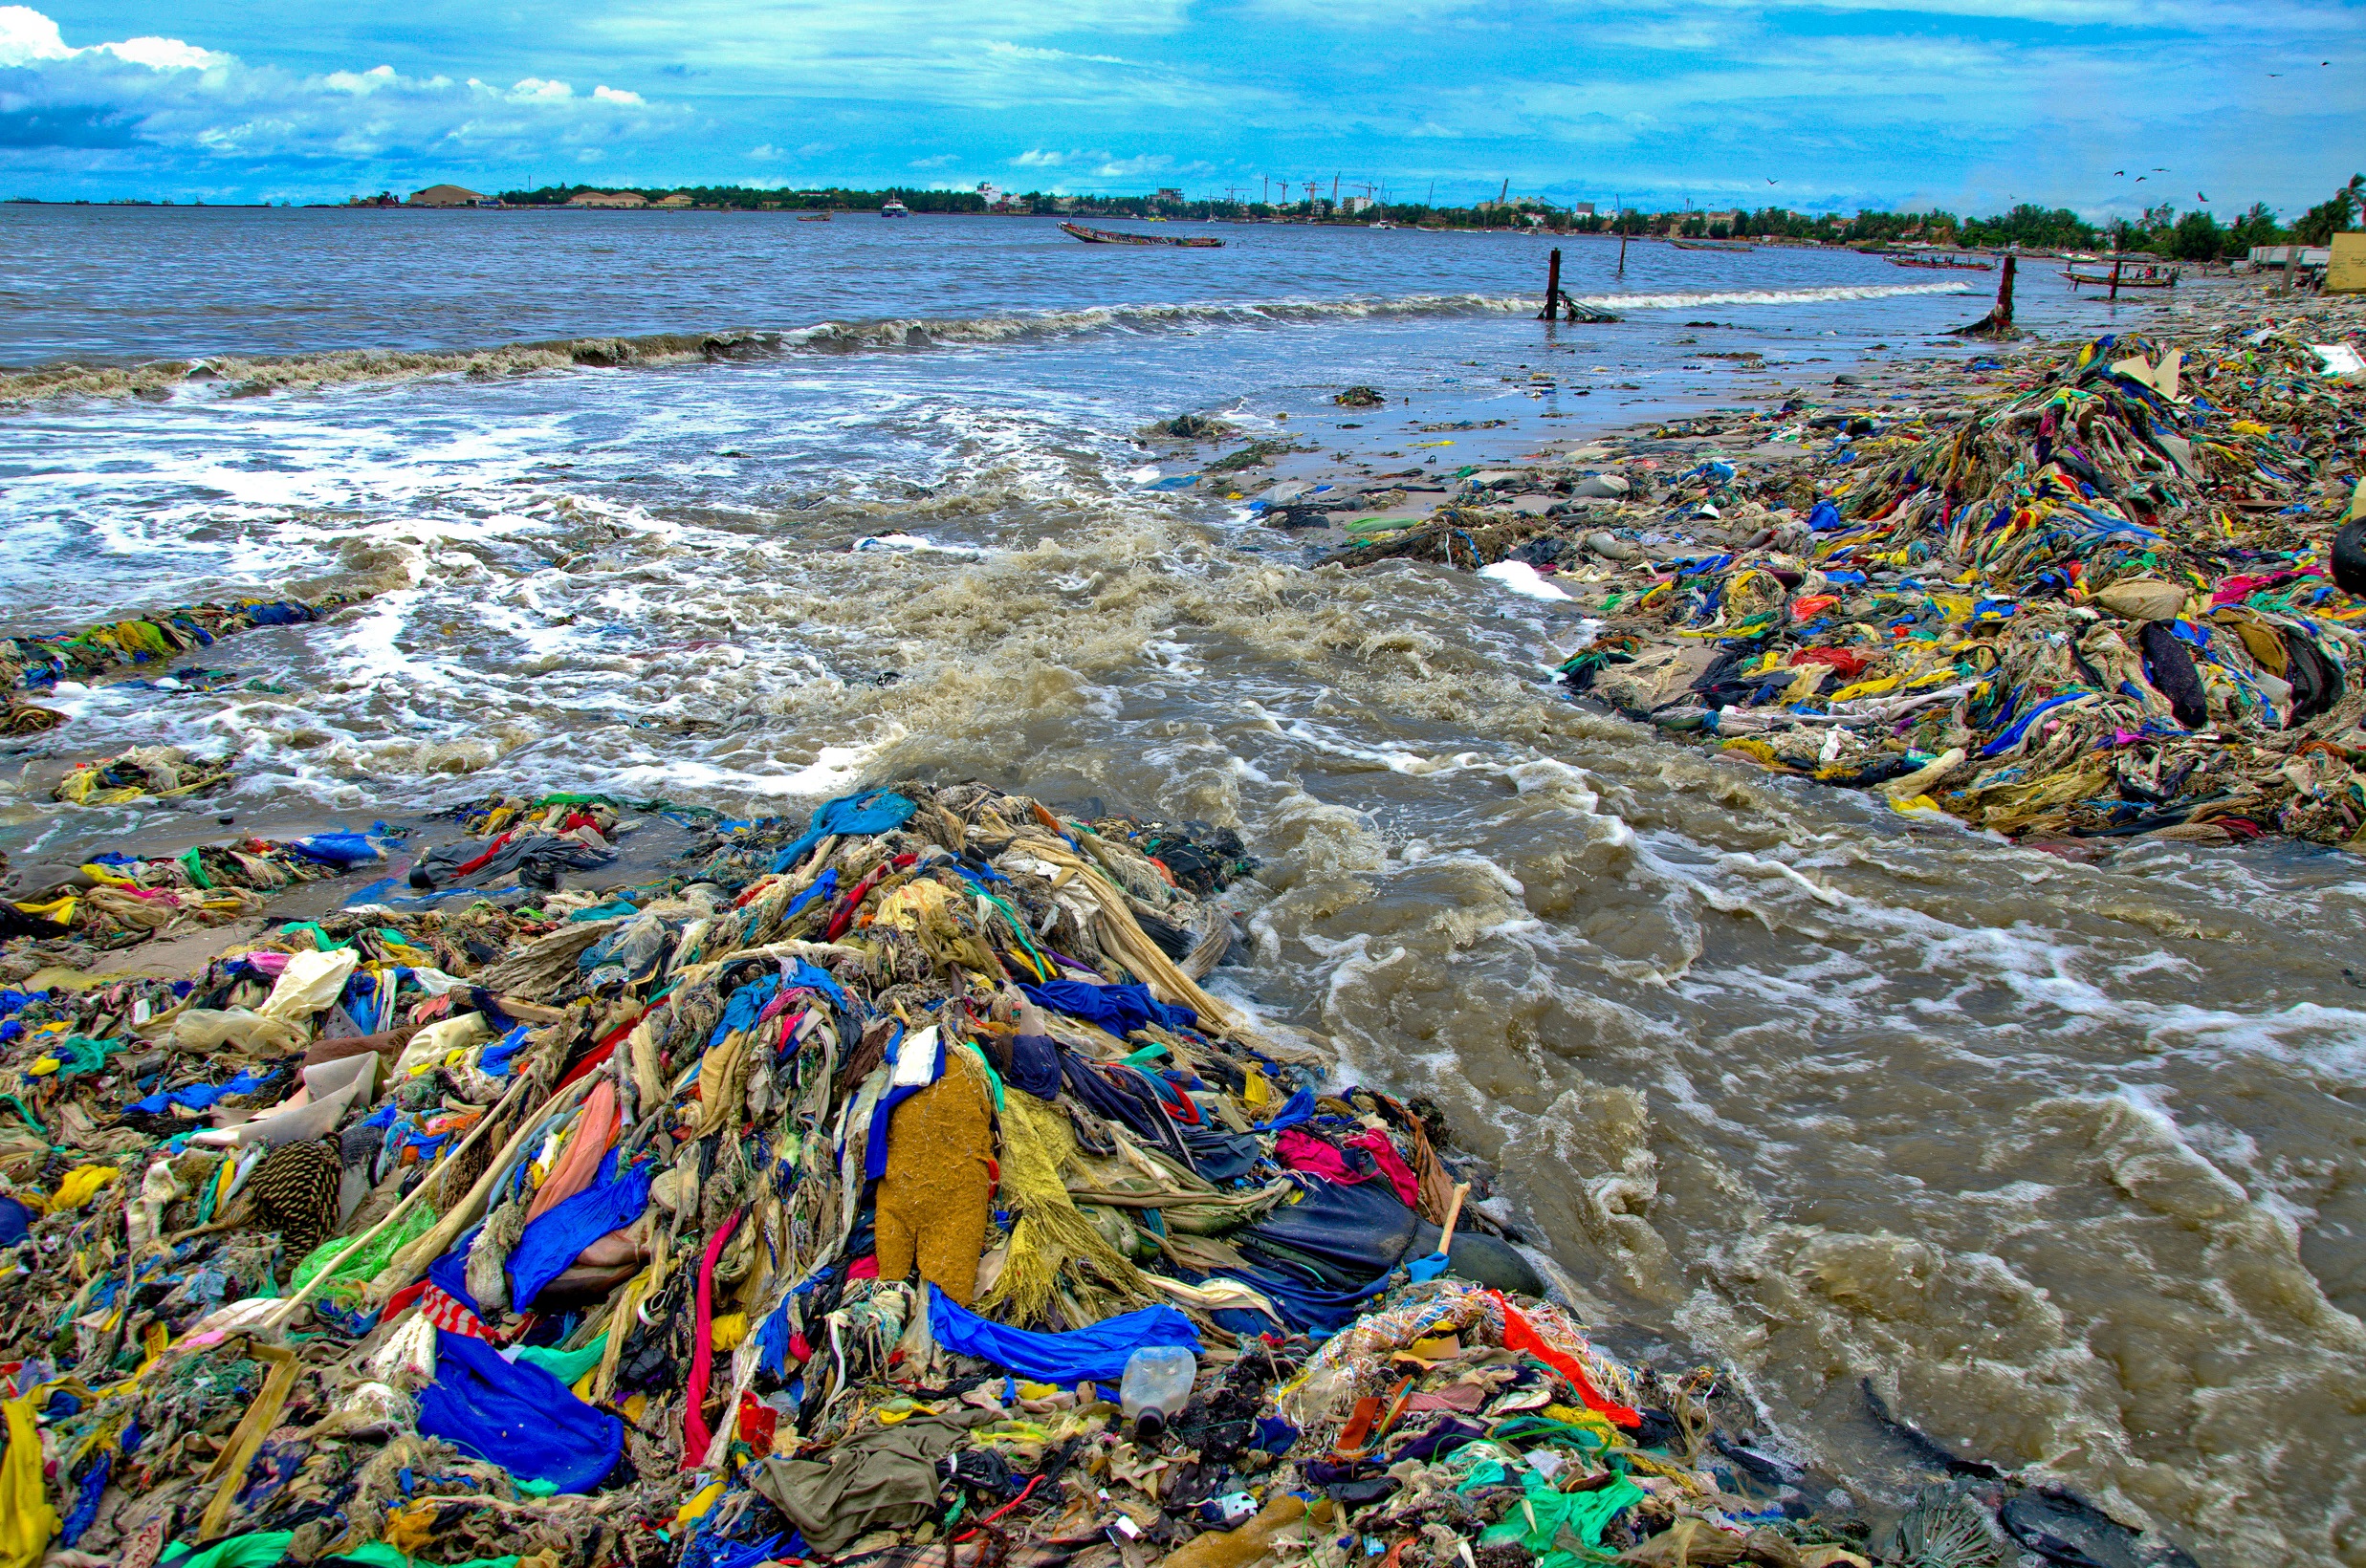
1298,1107
198,1096
1097,1353
1034,1066
825,886
2020,726
553,1243
1824,518
16,1221
339,849
1121,1010
517,1416
85,1511
872,811
819,979
1310,1308
449,1274
744,1007
494,1060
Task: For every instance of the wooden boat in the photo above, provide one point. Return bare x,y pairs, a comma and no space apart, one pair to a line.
2126,277
1711,245
1942,262
1112,236
813,217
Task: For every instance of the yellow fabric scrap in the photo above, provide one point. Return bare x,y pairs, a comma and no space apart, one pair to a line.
696,1508
729,1330
27,1520
81,1185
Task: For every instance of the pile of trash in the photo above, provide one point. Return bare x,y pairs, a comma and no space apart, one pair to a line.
36,661
160,773
2098,604
115,899
868,1188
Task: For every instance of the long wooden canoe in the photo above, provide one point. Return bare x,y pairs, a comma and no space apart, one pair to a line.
1112,236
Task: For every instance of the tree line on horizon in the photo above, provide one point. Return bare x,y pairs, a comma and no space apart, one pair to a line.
2196,235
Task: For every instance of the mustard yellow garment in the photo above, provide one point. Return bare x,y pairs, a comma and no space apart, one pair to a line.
27,1520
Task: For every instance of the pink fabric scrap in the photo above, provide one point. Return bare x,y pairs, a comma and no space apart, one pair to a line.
1391,1165
1301,1150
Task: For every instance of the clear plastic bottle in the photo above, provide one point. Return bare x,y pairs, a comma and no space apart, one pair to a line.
1157,1384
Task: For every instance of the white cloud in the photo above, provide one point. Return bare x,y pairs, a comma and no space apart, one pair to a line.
128,107
26,35
165,54
942,160
1120,168
1037,157
358,82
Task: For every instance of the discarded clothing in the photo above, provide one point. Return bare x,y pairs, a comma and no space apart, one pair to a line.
871,811
1121,1010
883,1479
1097,1353
553,1241
516,1416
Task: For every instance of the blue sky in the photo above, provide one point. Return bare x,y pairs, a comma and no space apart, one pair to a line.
1815,104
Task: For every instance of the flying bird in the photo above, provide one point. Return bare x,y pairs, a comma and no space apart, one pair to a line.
2200,196
2139,178
2119,173
2158,169
1774,182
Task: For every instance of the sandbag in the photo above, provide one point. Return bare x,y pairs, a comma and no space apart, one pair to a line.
2144,598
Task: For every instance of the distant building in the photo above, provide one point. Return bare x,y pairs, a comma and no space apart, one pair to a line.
989,193
1359,204
1168,193
678,199
1584,210
445,196
608,198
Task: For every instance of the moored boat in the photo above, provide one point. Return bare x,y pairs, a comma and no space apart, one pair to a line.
1114,236
2148,277
895,209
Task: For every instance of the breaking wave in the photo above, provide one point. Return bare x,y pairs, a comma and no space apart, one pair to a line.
1687,301
239,375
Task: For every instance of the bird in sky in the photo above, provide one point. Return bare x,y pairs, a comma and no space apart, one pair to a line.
2158,169
2139,178
1774,182
2200,196
2119,174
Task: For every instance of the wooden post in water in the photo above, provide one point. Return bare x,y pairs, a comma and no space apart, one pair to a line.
1553,288
2115,265
2004,314
1622,253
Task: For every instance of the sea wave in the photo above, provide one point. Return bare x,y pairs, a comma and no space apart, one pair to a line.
240,376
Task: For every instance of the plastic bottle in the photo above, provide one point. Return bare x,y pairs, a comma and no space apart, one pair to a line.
1157,1384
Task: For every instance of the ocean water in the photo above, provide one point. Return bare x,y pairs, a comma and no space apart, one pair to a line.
2067,1159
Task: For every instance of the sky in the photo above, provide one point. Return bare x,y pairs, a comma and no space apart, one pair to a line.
2106,106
